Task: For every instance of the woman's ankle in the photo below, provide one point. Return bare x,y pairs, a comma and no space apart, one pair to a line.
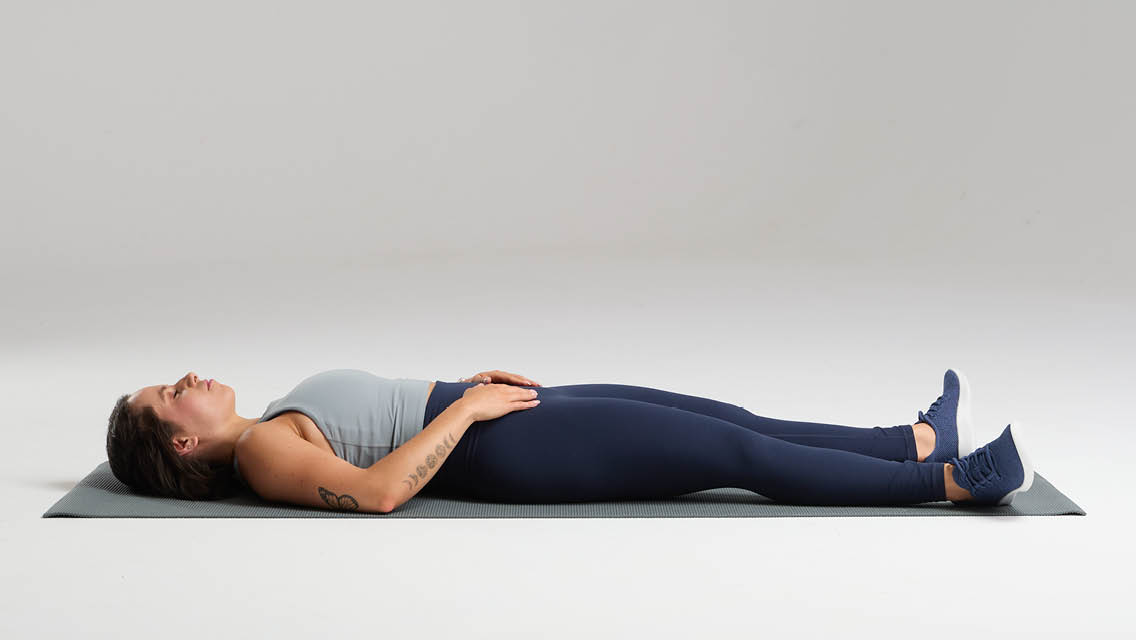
954,491
924,440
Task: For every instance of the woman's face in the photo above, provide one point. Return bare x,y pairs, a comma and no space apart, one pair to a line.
197,406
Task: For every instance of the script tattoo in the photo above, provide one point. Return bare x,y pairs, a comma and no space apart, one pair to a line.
432,460
344,502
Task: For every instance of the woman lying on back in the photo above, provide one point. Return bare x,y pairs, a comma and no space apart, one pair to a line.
350,440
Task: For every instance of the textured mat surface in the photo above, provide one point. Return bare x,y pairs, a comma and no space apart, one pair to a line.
101,495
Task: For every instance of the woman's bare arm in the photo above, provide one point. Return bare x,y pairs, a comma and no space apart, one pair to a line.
404,471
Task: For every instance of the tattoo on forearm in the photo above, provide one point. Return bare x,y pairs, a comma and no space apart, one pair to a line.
344,502
432,460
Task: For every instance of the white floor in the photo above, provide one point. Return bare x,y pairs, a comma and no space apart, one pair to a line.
1049,346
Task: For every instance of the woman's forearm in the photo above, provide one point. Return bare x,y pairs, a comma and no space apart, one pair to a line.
404,471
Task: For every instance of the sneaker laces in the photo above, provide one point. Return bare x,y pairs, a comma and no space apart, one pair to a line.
978,467
931,411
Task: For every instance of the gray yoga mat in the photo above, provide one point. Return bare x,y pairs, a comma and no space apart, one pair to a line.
101,495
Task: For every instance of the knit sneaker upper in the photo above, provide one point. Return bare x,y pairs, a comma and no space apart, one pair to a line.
991,471
942,415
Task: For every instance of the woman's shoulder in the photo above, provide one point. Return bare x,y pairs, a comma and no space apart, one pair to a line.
255,444
282,426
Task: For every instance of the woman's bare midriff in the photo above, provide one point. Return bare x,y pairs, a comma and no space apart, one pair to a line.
306,428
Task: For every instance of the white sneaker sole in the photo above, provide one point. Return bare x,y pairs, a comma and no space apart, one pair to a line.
1017,432
963,419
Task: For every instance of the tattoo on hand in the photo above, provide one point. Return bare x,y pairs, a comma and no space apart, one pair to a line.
344,502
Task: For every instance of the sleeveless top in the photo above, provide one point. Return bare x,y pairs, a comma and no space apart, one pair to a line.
363,416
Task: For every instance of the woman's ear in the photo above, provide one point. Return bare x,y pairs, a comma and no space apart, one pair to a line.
185,444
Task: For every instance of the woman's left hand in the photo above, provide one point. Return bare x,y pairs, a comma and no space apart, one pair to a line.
501,377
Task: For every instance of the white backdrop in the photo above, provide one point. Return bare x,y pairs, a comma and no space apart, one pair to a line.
808,208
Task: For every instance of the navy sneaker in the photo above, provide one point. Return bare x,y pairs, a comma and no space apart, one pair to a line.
949,416
996,471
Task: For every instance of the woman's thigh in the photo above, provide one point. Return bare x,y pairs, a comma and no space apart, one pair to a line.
569,449
686,402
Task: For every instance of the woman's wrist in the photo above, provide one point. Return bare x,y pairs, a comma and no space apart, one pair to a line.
462,408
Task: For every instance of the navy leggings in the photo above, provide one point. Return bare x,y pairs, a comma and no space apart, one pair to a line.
594,442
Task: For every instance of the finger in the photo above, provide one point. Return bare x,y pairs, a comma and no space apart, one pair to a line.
525,381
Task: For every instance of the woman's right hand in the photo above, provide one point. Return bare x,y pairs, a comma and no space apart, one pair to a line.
489,401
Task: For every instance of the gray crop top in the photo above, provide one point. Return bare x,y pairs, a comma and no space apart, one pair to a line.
363,416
